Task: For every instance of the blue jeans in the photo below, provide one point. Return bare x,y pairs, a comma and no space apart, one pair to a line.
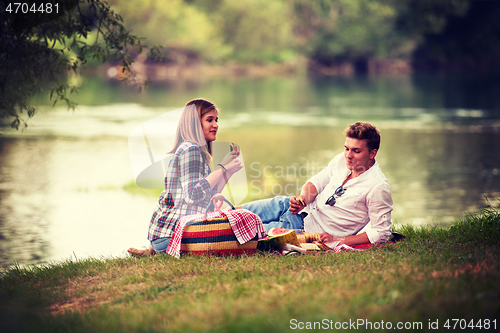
160,244
274,213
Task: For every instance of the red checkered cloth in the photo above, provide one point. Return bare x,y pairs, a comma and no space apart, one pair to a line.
245,225
344,247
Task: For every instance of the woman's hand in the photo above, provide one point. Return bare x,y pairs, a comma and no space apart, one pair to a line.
234,166
231,162
229,157
217,198
230,165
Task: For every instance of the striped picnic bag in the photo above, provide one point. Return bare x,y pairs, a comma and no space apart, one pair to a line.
214,236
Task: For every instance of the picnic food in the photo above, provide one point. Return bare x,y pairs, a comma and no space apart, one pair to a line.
277,231
322,246
312,241
277,238
309,237
299,200
310,247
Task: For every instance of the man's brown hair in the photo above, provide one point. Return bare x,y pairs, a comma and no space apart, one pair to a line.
364,131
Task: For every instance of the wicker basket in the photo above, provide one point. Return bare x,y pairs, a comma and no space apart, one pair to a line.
214,237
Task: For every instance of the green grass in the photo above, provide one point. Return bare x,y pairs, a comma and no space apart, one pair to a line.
132,188
435,274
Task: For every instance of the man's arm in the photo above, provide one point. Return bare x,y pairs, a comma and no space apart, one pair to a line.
307,195
380,205
314,186
349,240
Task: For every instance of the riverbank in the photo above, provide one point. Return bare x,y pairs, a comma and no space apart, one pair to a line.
195,69
433,277
198,71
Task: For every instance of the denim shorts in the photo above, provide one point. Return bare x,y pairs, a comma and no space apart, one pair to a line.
160,244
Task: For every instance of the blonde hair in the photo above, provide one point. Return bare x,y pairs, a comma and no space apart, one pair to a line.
189,128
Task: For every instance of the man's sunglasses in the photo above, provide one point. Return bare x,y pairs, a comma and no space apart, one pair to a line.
338,192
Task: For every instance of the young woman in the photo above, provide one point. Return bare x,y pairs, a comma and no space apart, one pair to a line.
189,181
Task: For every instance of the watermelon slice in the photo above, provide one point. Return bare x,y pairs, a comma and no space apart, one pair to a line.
278,231
233,147
277,238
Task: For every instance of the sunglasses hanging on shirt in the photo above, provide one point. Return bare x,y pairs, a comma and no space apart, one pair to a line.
338,193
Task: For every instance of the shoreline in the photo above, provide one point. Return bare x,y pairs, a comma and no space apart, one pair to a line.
194,70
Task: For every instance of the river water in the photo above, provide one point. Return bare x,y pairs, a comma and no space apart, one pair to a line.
67,185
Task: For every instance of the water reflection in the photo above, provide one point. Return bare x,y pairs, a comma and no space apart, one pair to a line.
294,94
24,208
62,181
62,198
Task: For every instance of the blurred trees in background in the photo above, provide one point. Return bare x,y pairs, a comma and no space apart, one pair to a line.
470,40
339,31
324,32
42,41
216,30
174,24
364,34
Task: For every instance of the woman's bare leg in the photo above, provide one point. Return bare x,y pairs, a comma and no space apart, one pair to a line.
140,253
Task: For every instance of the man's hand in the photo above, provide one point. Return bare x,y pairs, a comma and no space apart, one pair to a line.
296,204
307,196
326,237
331,240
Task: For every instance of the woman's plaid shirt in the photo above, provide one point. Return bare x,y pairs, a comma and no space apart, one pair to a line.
187,192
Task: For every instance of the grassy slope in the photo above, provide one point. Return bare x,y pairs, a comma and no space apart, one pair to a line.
434,274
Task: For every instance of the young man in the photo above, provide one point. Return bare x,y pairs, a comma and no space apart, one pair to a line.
342,199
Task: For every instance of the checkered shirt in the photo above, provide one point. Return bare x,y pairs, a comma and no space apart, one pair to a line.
187,192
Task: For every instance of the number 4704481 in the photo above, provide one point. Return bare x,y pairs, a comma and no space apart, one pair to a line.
25,8
462,324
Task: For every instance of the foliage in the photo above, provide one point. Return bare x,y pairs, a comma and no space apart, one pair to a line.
38,50
256,30
176,24
217,30
470,40
324,31
427,277
345,30
432,17
359,30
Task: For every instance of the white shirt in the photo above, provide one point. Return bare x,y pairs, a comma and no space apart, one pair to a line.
367,200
